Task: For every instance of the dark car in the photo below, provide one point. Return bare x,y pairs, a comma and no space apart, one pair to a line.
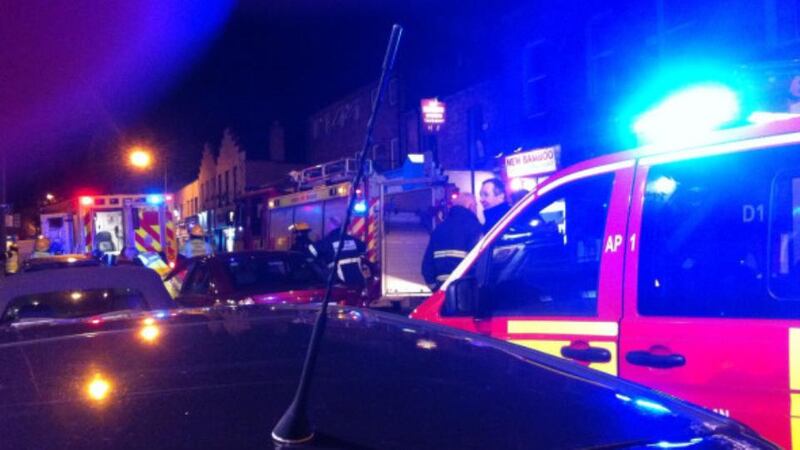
59,262
72,293
253,277
222,377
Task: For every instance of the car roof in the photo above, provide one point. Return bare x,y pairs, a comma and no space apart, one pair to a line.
59,262
101,277
222,378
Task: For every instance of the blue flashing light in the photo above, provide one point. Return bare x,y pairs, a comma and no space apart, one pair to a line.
662,185
689,113
651,406
360,207
155,199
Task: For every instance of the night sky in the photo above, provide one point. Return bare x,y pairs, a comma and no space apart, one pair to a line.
85,82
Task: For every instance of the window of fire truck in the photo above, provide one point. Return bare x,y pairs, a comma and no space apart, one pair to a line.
547,261
718,237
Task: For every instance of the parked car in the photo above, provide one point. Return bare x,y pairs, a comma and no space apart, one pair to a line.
72,293
674,266
222,377
253,277
59,262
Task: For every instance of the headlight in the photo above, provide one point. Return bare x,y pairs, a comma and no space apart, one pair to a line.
247,301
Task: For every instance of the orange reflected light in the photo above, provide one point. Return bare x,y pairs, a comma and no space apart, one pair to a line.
98,388
150,331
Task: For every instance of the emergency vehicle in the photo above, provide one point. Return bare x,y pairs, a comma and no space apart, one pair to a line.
673,265
394,215
109,223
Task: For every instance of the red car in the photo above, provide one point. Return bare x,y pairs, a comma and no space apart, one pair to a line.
253,277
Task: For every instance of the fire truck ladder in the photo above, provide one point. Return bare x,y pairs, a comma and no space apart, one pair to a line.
329,173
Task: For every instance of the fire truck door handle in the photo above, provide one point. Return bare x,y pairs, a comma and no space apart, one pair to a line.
589,354
647,359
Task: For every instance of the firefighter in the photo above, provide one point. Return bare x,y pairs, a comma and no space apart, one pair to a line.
41,248
493,200
451,241
349,270
196,245
301,239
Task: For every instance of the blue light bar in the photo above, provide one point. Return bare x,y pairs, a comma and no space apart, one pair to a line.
155,199
688,113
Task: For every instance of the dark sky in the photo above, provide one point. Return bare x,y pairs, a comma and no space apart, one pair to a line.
85,82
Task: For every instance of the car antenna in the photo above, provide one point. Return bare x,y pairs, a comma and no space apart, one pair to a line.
294,427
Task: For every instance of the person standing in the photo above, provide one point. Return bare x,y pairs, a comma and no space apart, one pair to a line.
349,270
451,241
493,200
41,248
196,245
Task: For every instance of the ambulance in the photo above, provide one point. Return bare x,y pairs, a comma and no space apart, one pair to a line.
110,223
675,265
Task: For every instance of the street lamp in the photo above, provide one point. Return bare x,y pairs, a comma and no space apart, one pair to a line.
142,158
50,197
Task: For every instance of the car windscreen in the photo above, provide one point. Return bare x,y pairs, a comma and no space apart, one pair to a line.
272,273
75,303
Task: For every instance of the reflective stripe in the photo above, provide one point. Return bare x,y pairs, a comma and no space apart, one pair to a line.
794,359
442,277
355,259
554,348
312,250
450,254
795,433
563,327
796,404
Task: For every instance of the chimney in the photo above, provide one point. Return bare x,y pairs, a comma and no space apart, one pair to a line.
277,143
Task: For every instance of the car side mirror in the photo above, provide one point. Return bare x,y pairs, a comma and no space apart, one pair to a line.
462,298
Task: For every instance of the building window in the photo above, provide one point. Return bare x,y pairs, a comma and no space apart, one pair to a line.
235,180
536,78
227,186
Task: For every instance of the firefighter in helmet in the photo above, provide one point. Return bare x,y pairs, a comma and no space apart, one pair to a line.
451,241
196,245
301,237
349,270
41,248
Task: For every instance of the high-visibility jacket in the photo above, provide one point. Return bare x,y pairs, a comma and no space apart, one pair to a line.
349,270
449,244
196,247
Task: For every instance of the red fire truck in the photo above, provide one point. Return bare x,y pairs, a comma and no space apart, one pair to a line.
109,223
394,216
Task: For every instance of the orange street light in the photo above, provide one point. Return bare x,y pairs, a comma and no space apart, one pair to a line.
140,158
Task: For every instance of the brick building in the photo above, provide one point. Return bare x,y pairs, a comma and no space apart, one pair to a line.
337,131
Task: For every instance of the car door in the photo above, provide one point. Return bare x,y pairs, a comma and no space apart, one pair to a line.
552,277
712,285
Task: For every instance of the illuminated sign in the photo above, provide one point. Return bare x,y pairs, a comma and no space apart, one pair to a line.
534,162
432,113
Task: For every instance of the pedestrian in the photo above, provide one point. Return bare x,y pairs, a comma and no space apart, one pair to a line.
493,200
349,270
41,248
196,245
451,241
12,259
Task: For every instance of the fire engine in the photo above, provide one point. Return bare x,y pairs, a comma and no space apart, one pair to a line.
394,215
109,223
